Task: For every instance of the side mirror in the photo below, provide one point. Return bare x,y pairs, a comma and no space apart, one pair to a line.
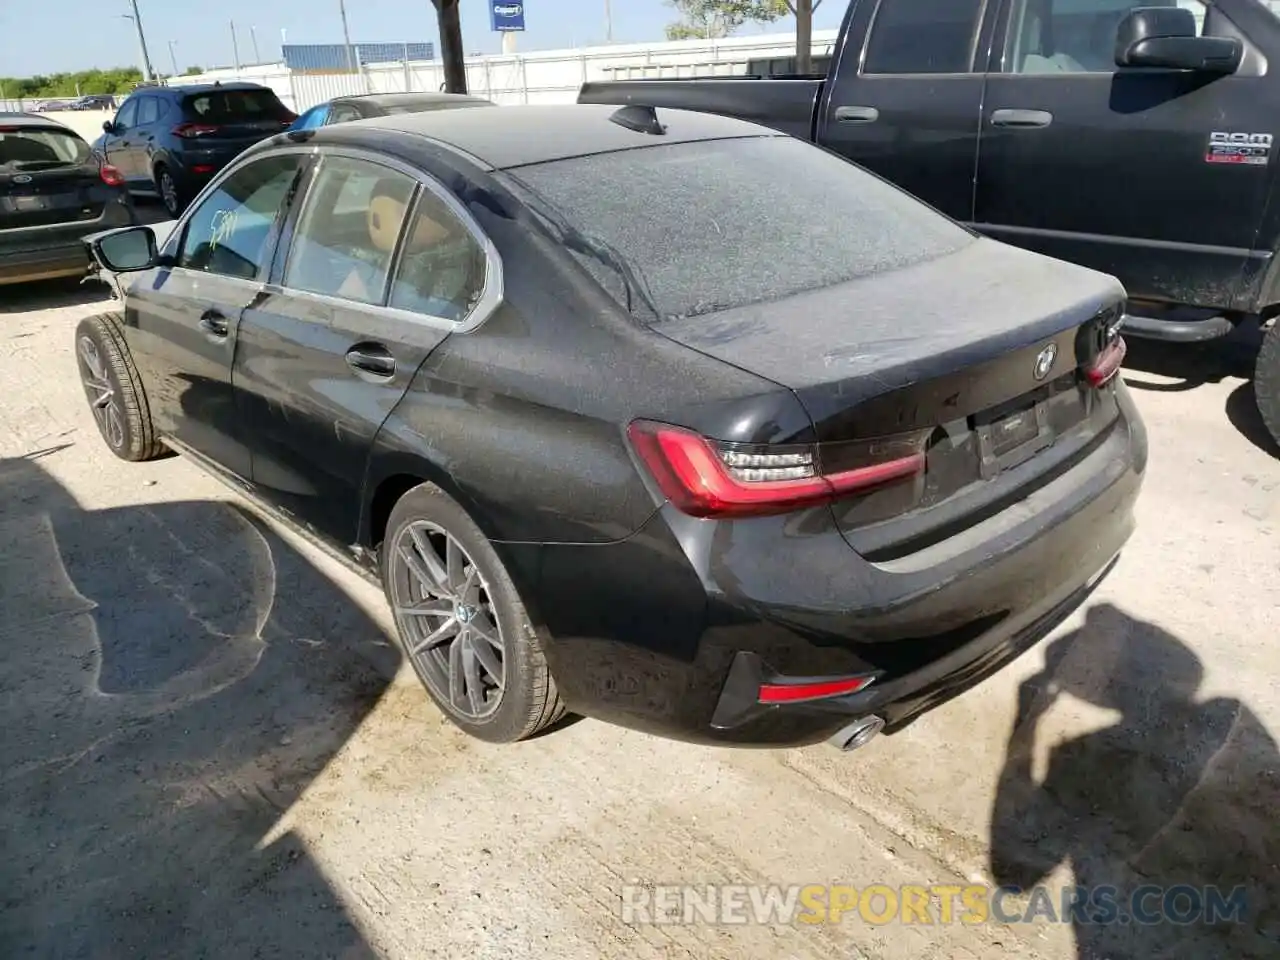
108,126
126,250
1165,38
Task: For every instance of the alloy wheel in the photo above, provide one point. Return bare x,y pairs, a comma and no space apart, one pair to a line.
169,192
101,392
445,612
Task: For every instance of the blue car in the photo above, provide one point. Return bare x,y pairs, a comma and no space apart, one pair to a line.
342,109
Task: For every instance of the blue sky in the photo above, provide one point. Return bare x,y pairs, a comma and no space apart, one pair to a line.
60,35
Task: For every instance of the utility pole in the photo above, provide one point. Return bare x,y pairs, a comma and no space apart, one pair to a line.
235,48
346,36
608,22
253,35
173,56
147,72
451,50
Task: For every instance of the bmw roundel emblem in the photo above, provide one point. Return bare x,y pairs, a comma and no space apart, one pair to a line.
22,178
1045,360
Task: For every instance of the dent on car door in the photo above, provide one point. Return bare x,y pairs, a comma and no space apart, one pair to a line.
327,353
184,315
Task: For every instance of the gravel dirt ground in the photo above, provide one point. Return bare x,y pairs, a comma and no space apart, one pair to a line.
211,748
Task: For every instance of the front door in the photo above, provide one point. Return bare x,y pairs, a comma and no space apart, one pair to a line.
907,105
186,313
1112,168
331,348
118,144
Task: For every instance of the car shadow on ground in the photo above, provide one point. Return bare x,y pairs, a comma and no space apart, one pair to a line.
174,676
1181,791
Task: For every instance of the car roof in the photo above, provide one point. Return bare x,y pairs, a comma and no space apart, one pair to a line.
520,135
31,120
183,90
400,99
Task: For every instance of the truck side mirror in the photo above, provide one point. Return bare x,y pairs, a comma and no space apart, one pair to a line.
1165,37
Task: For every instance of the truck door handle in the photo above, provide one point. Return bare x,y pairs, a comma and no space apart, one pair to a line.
214,324
1021,118
857,114
372,358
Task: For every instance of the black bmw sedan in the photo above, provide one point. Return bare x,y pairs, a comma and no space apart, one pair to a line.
657,417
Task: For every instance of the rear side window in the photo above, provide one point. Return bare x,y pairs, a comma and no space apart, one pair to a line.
35,149
148,110
923,36
708,226
347,232
233,106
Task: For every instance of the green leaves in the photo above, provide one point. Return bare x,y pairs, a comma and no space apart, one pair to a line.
711,19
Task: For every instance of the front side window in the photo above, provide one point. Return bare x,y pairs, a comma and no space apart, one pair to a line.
126,117
923,36
347,232
230,232
442,270
1074,36
682,230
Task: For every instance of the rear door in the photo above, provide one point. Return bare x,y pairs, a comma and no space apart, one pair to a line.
148,129
907,102
1111,169
184,316
332,346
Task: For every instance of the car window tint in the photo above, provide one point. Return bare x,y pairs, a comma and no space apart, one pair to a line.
713,225
442,268
148,111
229,232
348,229
125,118
33,148
922,36
234,106
1074,36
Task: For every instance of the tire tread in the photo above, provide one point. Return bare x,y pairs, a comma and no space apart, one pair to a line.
144,443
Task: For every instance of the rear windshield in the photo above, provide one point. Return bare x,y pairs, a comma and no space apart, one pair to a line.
36,149
233,106
707,226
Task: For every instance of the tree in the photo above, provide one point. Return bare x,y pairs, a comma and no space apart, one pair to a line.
712,19
455,61
803,10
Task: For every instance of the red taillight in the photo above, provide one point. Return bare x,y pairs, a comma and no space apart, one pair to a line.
1107,363
798,692
111,176
704,479
202,168
189,130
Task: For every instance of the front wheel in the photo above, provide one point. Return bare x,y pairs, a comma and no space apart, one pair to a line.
461,621
114,389
1266,381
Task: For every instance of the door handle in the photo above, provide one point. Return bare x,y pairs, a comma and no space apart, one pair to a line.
372,358
857,114
214,324
1021,118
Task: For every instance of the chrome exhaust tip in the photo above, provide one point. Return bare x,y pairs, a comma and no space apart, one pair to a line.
859,733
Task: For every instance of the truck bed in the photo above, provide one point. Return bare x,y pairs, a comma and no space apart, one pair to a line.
788,105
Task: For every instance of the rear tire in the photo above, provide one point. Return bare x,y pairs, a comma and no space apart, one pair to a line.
171,194
1266,381
114,389
461,622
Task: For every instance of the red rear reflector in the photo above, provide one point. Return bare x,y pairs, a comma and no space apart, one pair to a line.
798,692
111,176
202,168
1107,363
703,481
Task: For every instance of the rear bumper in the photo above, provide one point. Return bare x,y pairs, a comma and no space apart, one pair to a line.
673,630
44,253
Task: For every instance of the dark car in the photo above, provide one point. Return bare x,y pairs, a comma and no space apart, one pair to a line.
94,101
53,194
1136,137
665,418
343,109
170,141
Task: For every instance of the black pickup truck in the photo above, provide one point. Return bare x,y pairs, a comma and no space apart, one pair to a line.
1137,139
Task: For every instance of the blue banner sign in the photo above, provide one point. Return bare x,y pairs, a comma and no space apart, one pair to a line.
506,15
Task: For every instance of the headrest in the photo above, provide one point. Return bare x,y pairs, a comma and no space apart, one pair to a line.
385,216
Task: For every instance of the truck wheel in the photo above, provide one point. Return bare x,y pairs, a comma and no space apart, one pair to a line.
461,622
114,390
1266,381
